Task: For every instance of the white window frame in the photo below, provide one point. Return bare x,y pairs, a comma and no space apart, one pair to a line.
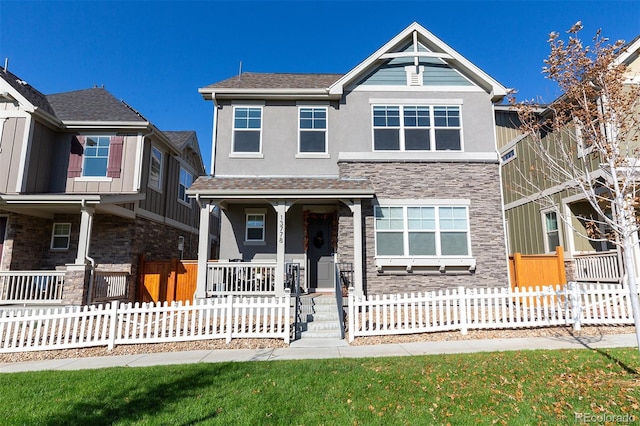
258,213
181,184
60,235
246,154
157,187
84,158
325,130
545,231
437,230
432,127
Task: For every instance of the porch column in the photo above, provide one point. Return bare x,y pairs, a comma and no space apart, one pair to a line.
84,239
356,209
281,212
204,246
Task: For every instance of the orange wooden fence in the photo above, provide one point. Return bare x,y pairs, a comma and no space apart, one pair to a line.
167,280
537,269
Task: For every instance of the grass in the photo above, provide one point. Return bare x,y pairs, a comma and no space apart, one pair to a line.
526,387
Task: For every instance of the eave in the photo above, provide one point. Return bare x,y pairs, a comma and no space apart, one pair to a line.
298,94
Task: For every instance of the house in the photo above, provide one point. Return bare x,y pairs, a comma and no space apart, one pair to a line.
87,185
389,172
543,214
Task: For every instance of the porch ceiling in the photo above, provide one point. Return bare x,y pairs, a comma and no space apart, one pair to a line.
280,187
46,205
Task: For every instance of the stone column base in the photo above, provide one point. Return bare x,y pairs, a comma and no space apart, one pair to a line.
76,284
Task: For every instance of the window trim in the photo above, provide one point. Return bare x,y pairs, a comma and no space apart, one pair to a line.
431,105
305,154
437,231
255,212
246,154
151,158
84,158
186,202
54,235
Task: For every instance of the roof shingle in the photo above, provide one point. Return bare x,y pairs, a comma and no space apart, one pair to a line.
250,80
95,104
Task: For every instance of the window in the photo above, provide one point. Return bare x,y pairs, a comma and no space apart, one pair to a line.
551,231
255,227
155,169
60,236
247,125
313,130
96,156
186,179
508,156
416,128
422,231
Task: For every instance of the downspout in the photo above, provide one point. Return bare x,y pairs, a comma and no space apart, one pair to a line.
214,137
92,262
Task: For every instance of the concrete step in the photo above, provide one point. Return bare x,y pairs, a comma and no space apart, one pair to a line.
322,325
322,316
321,334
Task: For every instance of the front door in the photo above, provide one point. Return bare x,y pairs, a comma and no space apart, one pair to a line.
320,253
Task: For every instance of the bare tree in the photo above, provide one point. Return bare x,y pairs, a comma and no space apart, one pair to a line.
587,141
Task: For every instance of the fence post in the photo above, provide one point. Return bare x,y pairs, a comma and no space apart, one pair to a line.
113,333
576,305
351,313
562,273
229,303
517,273
462,300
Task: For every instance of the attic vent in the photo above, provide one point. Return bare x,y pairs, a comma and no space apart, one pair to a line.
414,78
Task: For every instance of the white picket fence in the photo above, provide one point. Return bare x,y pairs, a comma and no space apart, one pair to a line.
489,308
119,324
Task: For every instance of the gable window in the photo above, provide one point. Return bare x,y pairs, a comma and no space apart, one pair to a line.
60,236
155,169
422,231
552,236
313,130
96,156
416,128
247,126
254,231
186,179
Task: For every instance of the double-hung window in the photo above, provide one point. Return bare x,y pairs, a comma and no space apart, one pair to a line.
254,231
186,179
551,231
417,128
313,130
422,231
96,156
155,169
60,236
247,129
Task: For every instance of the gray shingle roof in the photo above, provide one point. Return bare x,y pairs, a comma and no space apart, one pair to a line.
267,185
179,139
250,80
29,92
95,104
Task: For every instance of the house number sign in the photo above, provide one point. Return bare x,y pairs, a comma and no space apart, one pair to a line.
281,230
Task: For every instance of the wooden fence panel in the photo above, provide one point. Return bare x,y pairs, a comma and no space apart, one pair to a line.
167,281
537,269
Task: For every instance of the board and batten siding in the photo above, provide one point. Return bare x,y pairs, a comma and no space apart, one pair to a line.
11,142
42,149
122,184
506,127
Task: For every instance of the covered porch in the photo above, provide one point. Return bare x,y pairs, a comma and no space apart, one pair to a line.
270,224
45,249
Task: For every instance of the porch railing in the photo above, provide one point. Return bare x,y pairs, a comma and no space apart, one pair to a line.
31,286
110,286
598,267
240,278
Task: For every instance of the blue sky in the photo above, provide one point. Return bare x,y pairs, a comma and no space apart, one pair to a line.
156,54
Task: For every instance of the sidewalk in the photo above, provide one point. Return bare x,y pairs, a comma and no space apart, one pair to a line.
334,349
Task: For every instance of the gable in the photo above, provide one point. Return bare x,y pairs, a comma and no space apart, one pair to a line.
433,71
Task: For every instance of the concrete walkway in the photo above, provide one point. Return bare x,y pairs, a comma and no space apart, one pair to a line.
335,349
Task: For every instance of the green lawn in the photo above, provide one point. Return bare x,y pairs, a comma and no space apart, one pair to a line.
527,387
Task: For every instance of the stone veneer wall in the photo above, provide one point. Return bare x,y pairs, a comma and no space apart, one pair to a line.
478,182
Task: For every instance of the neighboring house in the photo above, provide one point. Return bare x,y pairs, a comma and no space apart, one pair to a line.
391,168
87,185
534,224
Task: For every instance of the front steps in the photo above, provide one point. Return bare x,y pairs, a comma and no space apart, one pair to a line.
320,319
